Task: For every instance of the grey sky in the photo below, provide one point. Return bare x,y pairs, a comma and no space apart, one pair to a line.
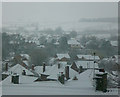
51,12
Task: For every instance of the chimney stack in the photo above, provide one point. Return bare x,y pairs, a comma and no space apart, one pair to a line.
80,69
58,66
33,67
67,72
6,66
24,72
43,67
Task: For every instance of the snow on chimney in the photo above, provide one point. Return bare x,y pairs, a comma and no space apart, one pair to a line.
67,72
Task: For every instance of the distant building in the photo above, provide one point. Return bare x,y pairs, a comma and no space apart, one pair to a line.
80,66
57,43
41,46
114,43
86,64
87,57
22,59
73,43
18,69
116,58
62,57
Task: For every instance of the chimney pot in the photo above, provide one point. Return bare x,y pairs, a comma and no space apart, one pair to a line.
44,67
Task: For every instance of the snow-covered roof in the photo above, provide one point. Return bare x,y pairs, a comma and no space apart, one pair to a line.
56,43
82,86
18,69
26,56
55,71
84,80
37,42
22,80
114,43
11,42
41,46
26,63
51,60
73,41
60,56
89,57
117,58
115,73
39,69
63,63
86,64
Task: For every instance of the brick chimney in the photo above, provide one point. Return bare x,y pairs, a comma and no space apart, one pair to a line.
6,66
80,69
58,66
33,67
43,67
24,72
67,72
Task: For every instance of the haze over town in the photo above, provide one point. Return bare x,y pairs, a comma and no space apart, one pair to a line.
69,48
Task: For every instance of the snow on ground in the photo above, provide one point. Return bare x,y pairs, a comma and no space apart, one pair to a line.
82,86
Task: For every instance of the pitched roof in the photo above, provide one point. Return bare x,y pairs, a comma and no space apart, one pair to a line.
117,58
25,55
39,69
55,71
84,80
73,41
86,64
26,63
88,57
60,56
22,79
114,43
18,69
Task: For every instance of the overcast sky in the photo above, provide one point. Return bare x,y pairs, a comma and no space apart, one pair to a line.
57,12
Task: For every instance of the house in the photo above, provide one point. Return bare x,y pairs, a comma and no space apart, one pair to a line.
87,57
41,46
73,43
116,58
25,56
22,80
87,64
57,43
27,86
18,69
63,68
62,57
52,72
78,65
22,59
114,43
